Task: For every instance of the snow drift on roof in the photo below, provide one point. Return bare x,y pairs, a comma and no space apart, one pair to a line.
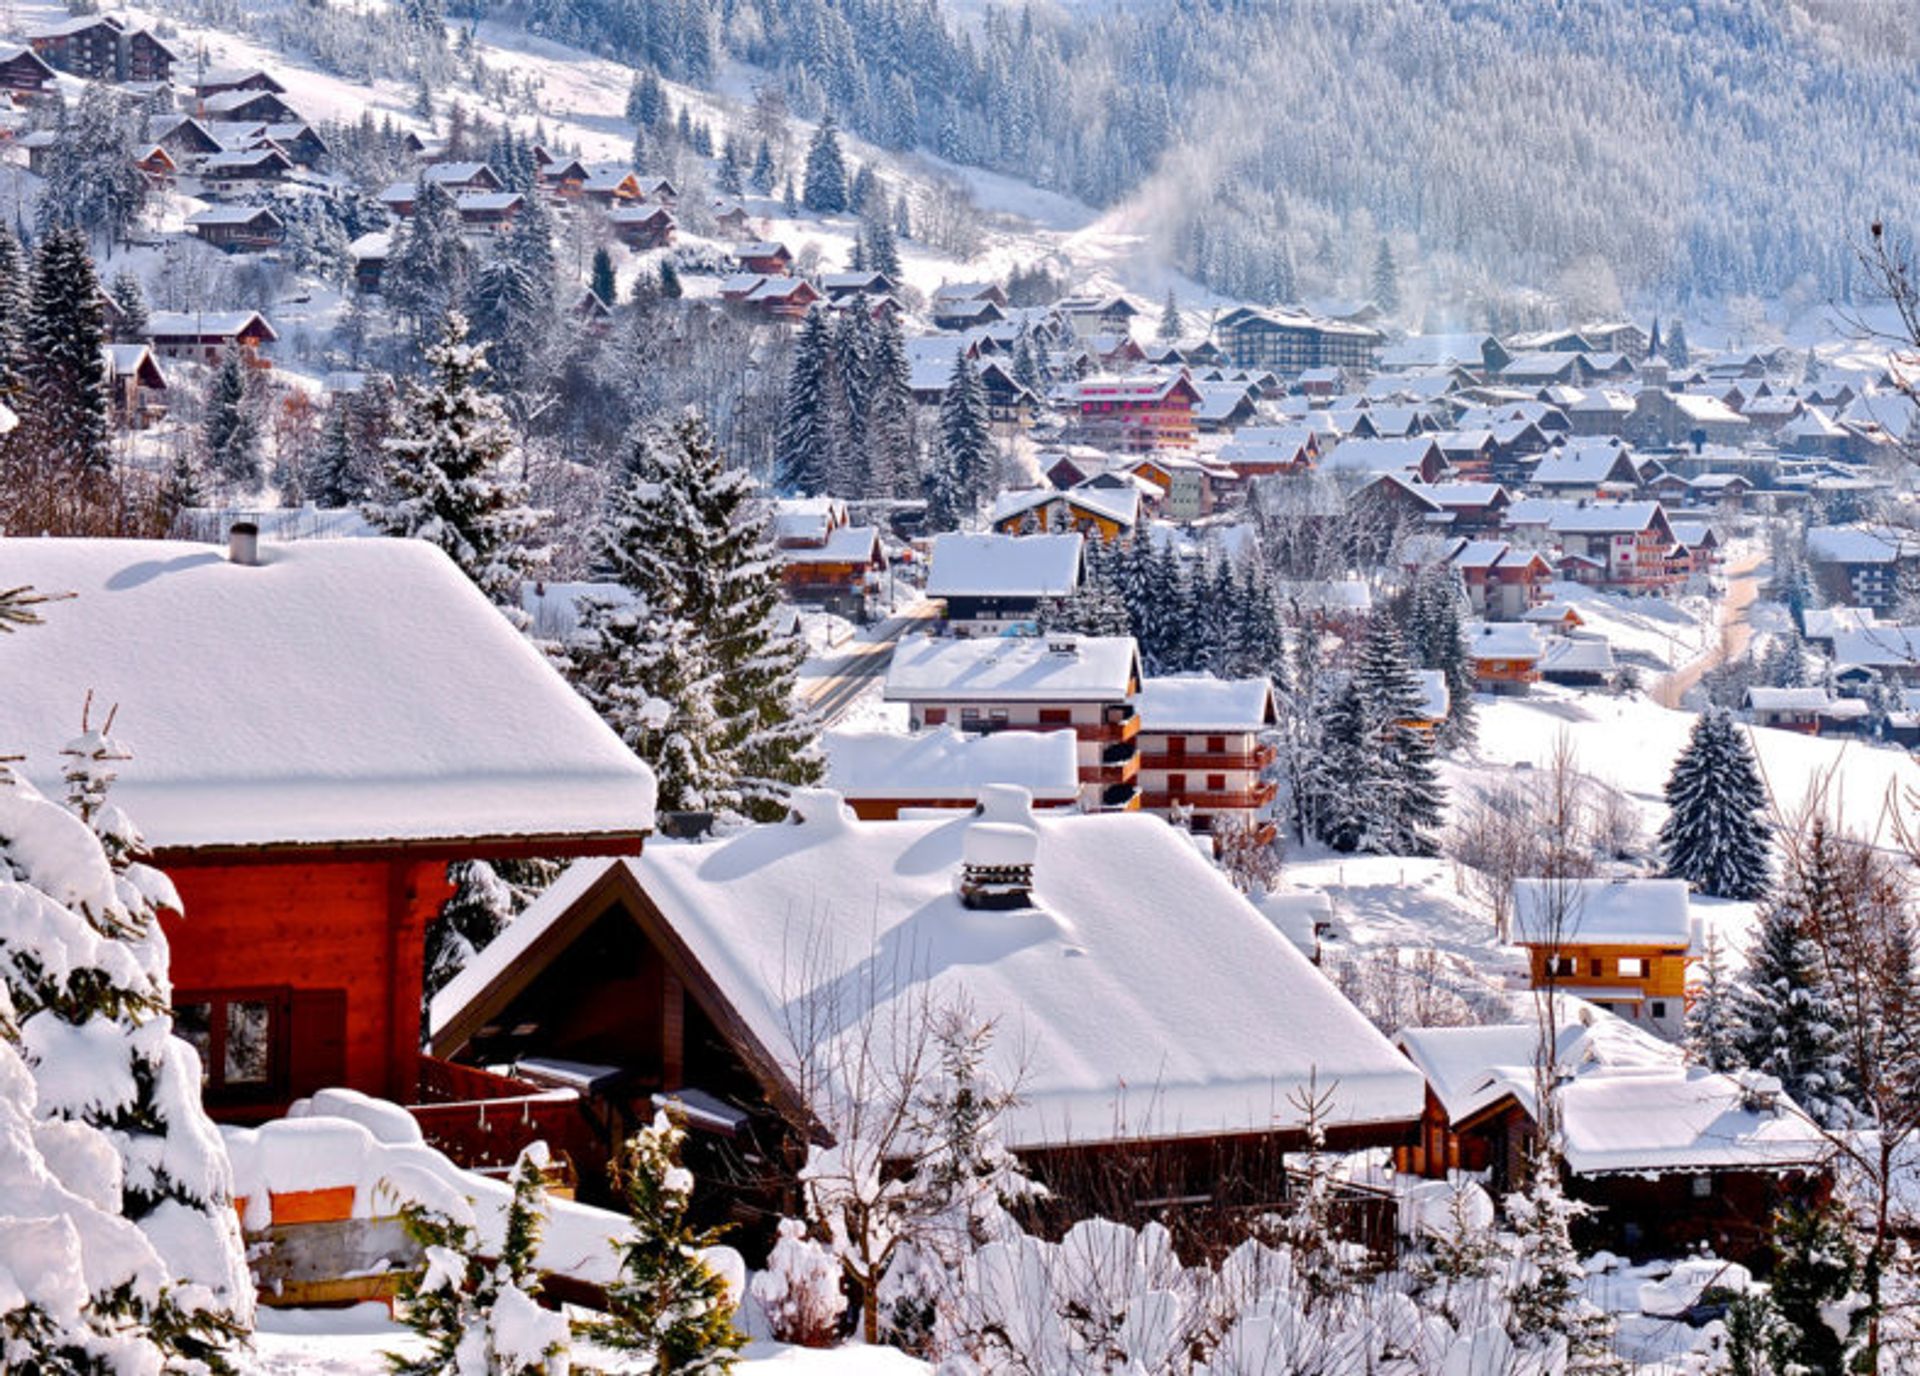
1004,565
948,764
343,691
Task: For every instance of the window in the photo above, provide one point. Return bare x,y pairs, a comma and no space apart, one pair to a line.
997,716
1216,745
1056,716
241,1035
1702,1187
1633,967
1216,783
1564,967
936,716
1176,784
1659,1008
1593,967
970,716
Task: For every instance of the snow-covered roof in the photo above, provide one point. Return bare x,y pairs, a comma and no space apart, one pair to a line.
1682,1118
1391,455
1601,912
1600,518
1567,655
846,545
1580,464
1201,702
1464,494
204,324
1118,504
1114,1009
1880,646
948,764
231,215
340,692
1860,544
1762,699
1502,640
1822,622
969,565
1059,668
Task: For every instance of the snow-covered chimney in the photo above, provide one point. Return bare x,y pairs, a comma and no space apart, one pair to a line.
1063,645
243,543
996,866
998,849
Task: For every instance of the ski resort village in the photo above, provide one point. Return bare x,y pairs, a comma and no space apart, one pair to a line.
958,686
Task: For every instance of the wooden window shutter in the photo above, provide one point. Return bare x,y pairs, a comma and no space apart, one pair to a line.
317,1041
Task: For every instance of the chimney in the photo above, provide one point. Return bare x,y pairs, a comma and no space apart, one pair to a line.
1065,645
243,543
996,866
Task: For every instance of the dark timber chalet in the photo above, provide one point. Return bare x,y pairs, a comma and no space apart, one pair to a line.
311,752
1160,1023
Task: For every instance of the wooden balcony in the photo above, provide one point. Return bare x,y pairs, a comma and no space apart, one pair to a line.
1252,800
1119,764
1248,760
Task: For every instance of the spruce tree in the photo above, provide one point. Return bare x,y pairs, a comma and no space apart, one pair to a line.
1386,279
1436,638
762,177
893,468
1678,354
487,895
473,1316
1713,1014
1789,1020
1410,802
667,1302
131,298
1171,325
808,450
1342,771
853,346
825,189
1714,836
1549,1304
600,278
445,477
882,251
232,427
966,440
427,269
865,194
335,478
16,303
1817,1300
66,419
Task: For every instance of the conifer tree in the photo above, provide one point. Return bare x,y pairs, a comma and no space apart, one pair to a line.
1386,279
426,272
761,179
789,200
825,191
1548,1303
853,368
131,297
1171,325
667,1302
1817,1299
966,440
1678,354
476,1317
1713,1014
669,281
600,279
1340,772
232,427
1409,804
1714,836
445,476
812,435
882,251
16,298
1789,1024
1436,638
892,444
66,420
335,478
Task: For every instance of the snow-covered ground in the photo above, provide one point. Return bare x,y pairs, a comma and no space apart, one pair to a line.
353,1342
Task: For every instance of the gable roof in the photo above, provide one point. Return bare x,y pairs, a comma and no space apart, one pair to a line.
969,565
1116,1014
1586,912
1086,668
1201,702
301,702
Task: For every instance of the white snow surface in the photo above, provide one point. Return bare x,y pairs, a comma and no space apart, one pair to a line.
1201,702
1631,912
1004,565
951,765
1139,991
341,691
1013,669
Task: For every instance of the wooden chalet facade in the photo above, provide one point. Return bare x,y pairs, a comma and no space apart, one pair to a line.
1620,944
1204,752
1505,656
308,823
103,48
202,336
663,979
23,72
239,228
138,386
1632,542
642,227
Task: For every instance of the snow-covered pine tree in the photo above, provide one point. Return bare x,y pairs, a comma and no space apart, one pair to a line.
131,297
1678,354
477,1318
1343,776
427,270
1171,326
487,895
852,365
1713,1014
965,464
892,440
16,298
232,426
732,595
600,278
1789,1023
883,252
1436,638
1549,1308
1386,279
92,182
1817,1300
826,189
1714,836
1411,802
667,1302
445,477
807,453
761,179
67,404
84,966
335,478
789,200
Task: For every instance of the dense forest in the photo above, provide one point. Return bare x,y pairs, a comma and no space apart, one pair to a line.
1653,151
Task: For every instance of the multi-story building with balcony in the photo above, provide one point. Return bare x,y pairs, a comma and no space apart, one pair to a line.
1079,683
1203,750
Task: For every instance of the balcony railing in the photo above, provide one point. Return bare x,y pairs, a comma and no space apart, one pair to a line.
1255,759
1250,800
1119,764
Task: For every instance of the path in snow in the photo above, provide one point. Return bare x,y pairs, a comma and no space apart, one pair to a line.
1743,586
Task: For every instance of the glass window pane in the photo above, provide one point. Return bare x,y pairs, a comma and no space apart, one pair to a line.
248,1043
193,1024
